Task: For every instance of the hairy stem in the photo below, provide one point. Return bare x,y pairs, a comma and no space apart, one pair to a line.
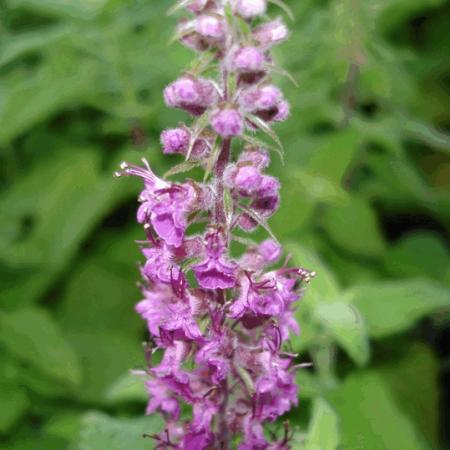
221,164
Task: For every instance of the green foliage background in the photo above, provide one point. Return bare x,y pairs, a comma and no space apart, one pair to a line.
366,203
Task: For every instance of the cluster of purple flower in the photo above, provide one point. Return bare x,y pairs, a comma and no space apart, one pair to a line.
220,321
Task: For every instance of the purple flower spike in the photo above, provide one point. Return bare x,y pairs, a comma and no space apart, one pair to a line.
227,122
221,321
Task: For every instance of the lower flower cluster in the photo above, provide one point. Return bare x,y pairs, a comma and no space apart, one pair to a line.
219,322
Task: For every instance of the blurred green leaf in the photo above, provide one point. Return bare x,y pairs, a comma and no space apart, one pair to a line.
25,102
418,254
345,324
81,9
76,205
13,404
100,432
21,44
34,337
38,442
323,431
413,382
391,307
105,356
354,227
127,388
370,418
332,158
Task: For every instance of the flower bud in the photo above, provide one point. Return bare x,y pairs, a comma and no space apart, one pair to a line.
191,94
210,27
247,179
271,33
261,98
227,122
251,8
175,140
256,156
248,60
284,110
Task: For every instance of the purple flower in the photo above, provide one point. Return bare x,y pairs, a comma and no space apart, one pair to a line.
198,441
164,311
215,355
162,399
215,271
227,122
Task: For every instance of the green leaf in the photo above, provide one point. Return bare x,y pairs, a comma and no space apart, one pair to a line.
402,259
13,404
354,227
369,417
100,432
38,442
333,156
413,381
18,45
309,385
80,9
76,204
35,338
127,388
105,356
394,306
32,99
323,430
345,324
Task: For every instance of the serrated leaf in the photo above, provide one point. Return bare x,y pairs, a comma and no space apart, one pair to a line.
345,324
369,416
323,431
34,337
391,307
101,432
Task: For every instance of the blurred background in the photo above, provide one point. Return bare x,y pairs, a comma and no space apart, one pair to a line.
366,204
